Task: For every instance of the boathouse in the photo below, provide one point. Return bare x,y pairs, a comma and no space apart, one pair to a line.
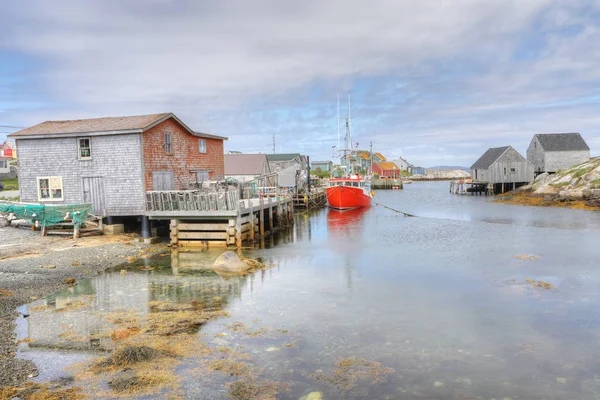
402,164
416,170
386,169
246,167
551,152
323,165
502,167
112,162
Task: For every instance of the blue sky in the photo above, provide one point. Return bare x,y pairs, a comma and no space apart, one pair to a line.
436,82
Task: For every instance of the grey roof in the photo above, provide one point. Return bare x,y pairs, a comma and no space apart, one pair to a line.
210,136
561,141
489,157
282,157
244,164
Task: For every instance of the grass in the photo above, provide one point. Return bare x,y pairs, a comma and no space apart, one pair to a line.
10,184
559,185
580,172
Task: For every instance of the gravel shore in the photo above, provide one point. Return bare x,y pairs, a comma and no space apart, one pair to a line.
22,279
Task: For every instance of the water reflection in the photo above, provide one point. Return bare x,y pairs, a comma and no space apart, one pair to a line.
443,301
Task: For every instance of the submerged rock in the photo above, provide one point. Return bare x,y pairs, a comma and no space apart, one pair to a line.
231,263
438,385
312,396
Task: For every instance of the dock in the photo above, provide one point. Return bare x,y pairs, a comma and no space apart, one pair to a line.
387,184
482,188
218,218
313,200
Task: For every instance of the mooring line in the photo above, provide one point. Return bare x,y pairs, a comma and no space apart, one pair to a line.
393,209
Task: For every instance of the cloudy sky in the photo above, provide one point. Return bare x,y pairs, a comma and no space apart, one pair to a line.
437,82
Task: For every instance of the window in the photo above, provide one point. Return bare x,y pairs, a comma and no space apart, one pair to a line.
3,164
50,188
84,146
201,176
168,143
202,145
504,170
513,170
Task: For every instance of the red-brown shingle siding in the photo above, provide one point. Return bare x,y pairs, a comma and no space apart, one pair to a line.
186,156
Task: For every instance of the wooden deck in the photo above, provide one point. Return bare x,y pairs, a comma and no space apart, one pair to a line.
222,219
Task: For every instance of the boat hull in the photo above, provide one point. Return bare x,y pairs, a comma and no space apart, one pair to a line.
347,197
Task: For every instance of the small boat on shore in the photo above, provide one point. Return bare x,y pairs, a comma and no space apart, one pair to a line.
353,191
406,181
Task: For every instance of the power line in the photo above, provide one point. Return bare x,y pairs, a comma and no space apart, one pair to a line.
12,127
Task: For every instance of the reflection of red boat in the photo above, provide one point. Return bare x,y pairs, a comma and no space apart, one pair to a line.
347,193
338,220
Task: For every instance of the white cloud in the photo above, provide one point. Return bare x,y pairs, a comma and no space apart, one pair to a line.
225,66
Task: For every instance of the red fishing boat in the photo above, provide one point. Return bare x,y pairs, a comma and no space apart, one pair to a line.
353,191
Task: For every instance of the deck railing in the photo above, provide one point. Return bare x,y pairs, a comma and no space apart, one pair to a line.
192,200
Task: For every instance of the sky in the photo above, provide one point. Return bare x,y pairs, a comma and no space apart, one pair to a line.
436,82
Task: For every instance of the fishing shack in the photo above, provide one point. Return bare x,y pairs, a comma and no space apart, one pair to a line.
112,162
551,152
501,169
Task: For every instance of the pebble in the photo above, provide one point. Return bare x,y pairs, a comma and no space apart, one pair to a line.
269,349
561,380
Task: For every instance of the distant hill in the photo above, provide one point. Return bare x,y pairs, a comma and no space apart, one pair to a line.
451,167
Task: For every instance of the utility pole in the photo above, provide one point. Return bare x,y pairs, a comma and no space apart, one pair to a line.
273,143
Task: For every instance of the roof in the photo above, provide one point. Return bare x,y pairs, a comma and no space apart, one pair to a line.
106,125
320,162
282,157
489,157
381,157
209,136
387,165
561,141
244,164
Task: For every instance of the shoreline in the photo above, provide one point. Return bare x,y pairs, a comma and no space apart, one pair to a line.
526,199
24,279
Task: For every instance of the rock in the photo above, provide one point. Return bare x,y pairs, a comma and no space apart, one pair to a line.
270,349
438,385
546,190
561,380
70,281
3,222
312,396
48,266
231,263
123,272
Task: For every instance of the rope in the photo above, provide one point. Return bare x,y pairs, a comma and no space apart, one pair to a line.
393,209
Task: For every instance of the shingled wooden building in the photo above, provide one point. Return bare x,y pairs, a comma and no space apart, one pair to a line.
502,167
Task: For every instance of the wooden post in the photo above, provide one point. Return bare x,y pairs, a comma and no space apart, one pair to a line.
44,231
270,217
238,230
174,233
76,233
261,218
251,222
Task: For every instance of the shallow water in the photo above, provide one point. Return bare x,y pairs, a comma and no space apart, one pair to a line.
440,299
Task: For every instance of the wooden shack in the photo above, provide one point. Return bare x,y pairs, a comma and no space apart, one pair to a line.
551,152
502,167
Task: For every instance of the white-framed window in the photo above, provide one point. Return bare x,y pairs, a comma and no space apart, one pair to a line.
202,145
168,144
84,148
3,164
50,188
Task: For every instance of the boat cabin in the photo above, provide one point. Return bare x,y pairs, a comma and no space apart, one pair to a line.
352,180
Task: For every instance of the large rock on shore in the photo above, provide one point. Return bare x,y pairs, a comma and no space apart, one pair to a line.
229,262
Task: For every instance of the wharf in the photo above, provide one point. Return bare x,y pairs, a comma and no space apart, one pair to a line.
315,199
387,184
482,188
218,218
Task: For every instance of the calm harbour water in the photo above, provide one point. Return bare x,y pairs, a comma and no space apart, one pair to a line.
441,299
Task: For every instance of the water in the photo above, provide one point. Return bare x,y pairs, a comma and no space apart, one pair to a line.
440,299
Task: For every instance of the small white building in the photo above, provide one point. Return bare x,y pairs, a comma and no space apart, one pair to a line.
551,152
246,167
402,164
